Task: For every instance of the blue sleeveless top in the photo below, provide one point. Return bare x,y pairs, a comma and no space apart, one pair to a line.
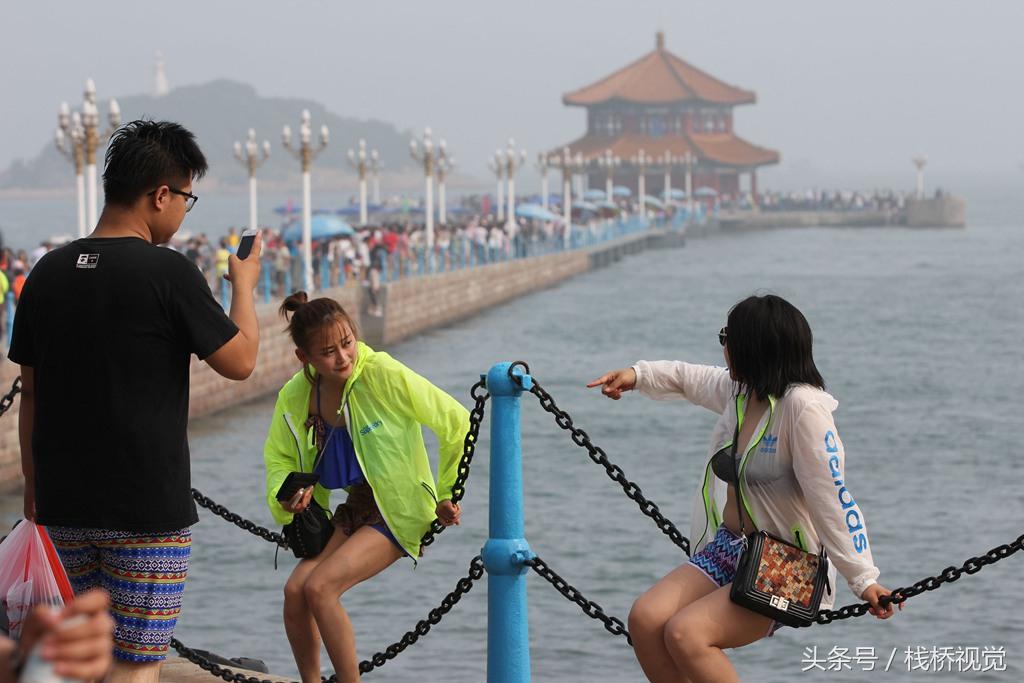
338,467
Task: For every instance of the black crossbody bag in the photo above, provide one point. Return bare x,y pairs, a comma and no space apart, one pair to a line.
774,577
310,530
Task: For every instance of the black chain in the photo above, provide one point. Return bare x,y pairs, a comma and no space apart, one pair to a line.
593,610
8,399
239,521
947,575
476,418
216,669
422,628
597,454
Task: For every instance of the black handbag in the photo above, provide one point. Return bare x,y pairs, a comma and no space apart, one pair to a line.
310,530
774,577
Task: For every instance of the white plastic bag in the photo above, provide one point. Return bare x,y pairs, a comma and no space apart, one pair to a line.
30,574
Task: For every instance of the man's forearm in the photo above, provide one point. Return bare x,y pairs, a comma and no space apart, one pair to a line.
243,314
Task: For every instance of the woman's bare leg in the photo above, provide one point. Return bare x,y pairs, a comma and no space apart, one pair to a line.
696,636
654,609
299,625
365,554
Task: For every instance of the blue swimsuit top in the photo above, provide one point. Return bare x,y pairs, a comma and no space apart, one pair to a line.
338,467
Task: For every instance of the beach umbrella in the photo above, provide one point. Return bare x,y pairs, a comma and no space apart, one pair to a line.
705,191
621,191
653,201
536,212
322,227
607,205
676,194
584,206
593,195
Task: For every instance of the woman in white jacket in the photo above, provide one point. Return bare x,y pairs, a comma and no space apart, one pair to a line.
791,469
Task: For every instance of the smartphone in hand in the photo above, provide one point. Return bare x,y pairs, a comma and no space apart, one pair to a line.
245,243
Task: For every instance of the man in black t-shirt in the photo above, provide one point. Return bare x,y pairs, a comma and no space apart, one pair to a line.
105,331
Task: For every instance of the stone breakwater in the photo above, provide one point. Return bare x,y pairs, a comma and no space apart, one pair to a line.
411,306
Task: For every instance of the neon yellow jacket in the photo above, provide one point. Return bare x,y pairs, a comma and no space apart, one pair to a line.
385,404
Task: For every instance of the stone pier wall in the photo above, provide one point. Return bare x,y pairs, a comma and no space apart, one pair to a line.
410,307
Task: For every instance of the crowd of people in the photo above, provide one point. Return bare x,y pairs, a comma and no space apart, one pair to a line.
821,200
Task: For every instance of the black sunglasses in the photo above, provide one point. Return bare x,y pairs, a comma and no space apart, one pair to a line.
722,335
190,199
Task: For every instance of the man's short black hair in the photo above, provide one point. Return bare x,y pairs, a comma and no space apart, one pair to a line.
143,155
769,344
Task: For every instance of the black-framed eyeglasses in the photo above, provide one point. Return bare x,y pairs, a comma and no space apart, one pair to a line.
722,334
190,199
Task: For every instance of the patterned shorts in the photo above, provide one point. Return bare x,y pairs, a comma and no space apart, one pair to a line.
144,574
359,510
718,560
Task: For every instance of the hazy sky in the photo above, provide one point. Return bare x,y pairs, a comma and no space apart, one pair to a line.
846,91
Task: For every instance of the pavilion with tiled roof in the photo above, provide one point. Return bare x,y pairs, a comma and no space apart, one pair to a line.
676,115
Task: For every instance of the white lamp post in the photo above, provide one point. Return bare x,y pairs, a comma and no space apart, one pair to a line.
305,153
579,173
689,161
609,162
919,163
497,166
91,127
424,153
640,161
445,164
667,162
70,139
252,154
542,167
360,161
566,163
375,173
514,160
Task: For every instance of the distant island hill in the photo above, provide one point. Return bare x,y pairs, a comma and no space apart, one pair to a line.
219,113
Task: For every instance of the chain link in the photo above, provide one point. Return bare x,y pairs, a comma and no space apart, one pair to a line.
593,610
422,628
948,575
8,399
476,417
239,521
597,454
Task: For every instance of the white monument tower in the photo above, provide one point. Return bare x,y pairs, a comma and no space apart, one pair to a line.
160,85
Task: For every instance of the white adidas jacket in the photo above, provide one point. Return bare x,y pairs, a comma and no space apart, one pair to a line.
792,470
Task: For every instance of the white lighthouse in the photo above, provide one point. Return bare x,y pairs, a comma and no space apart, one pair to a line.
160,85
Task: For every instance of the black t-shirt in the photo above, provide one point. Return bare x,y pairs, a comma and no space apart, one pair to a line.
109,326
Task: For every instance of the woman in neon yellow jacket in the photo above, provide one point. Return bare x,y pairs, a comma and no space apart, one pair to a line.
357,414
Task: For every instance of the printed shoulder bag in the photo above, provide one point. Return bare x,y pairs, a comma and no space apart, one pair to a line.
774,577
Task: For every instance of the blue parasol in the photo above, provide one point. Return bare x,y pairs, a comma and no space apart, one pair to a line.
536,212
321,227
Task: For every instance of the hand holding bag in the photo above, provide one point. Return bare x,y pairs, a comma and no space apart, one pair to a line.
310,530
774,577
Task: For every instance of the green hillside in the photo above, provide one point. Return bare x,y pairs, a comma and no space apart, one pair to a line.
219,113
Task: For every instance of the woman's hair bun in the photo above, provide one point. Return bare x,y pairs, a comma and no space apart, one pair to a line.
293,302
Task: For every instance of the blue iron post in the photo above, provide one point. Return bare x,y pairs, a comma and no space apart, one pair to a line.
508,638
